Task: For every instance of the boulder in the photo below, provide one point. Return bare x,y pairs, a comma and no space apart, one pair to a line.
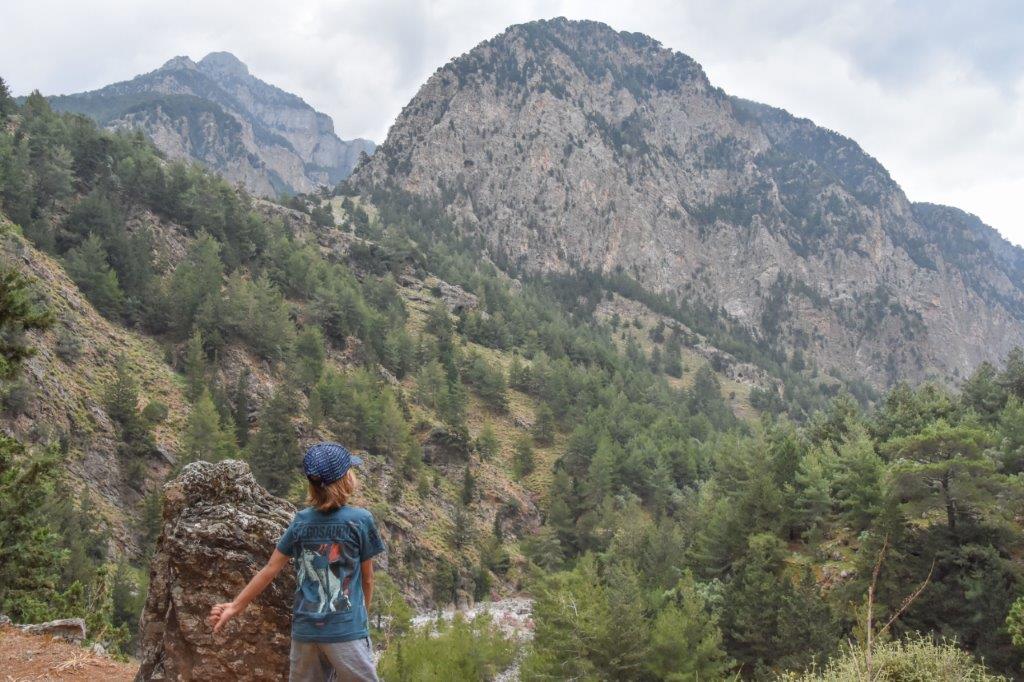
68,629
456,299
444,446
219,528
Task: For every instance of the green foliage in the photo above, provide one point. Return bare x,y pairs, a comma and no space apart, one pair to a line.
953,460
391,615
588,626
686,643
459,650
489,382
309,357
274,451
523,462
195,366
364,411
771,618
206,437
30,553
136,440
487,444
19,312
917,659
544,425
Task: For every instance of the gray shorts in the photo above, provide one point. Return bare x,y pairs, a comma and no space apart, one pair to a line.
333,661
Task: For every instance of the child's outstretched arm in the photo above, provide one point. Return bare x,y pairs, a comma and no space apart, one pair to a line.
366,573
222,613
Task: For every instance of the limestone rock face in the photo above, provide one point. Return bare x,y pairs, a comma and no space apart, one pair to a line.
215,112
568,146
219,528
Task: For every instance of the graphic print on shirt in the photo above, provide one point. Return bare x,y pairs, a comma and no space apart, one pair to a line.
325,573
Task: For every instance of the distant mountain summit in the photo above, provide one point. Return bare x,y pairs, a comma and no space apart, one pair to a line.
215,112
569,146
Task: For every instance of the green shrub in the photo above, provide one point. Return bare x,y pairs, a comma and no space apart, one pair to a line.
459,650
911,660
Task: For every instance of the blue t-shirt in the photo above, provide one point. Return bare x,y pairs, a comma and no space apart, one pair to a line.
328,549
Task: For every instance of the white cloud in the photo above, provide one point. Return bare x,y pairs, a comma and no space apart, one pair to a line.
932,89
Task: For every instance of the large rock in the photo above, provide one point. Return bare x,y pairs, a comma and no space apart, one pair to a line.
68,629
219,528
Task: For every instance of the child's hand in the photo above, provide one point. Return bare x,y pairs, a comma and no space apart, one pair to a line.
222,613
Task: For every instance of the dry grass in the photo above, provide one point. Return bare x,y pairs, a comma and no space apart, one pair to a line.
25,658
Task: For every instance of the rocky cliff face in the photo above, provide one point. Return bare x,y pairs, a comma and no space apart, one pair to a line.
570,146
215,112
219,528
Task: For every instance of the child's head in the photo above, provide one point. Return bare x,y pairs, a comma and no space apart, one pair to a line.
328,466
333,495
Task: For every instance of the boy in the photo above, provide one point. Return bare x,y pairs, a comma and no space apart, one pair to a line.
333,544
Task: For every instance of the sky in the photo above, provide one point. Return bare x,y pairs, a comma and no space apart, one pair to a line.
934,89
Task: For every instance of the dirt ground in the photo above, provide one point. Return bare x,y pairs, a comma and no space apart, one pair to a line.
25,658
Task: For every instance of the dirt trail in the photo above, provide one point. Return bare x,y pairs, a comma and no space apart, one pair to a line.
25,658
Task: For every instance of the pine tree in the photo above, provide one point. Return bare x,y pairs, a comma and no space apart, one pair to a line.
87,265
468,487
7,105
274,450
559,513
858,480
768,619
673,358
195,366
19,313
309,356
31,554
205,437
813,487
522,457
686,643
430,385
195,280
589,627
602,474
952,460
487,445
544,425
122,395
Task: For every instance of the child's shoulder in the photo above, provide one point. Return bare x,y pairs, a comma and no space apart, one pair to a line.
350,512
355,512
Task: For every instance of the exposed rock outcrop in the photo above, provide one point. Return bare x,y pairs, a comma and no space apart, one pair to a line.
219,528
569,146
215,112
69,629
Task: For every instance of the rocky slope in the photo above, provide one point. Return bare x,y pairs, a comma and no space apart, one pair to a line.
63,402
215,112
63,392
570,146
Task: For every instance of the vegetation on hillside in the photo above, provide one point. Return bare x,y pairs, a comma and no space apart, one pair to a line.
678,540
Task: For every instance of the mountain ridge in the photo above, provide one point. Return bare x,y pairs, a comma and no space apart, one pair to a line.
569,146
216,112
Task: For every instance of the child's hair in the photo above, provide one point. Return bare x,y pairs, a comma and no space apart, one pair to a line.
333,495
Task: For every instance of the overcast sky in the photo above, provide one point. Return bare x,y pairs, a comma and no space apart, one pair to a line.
932,88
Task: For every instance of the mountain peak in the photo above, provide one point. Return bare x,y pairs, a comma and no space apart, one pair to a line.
571,146
215,112
224,63
178,63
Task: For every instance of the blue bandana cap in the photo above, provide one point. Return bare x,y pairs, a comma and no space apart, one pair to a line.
325,463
